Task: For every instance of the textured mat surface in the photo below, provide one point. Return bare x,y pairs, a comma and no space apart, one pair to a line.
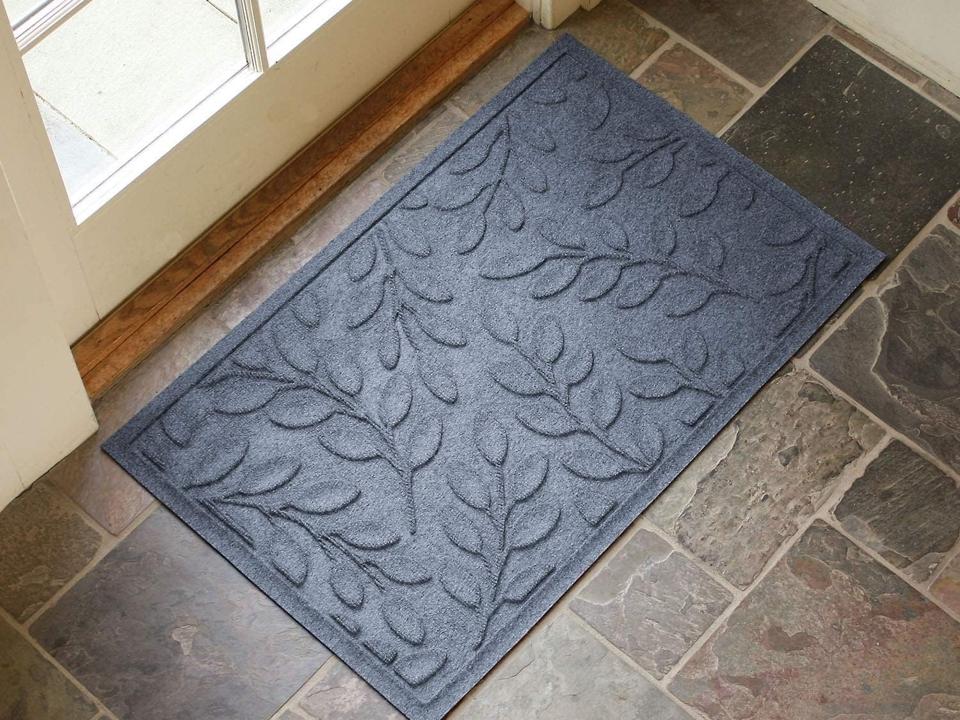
422,440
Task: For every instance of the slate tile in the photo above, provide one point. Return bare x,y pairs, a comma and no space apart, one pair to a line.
898,354
693,85
946,588
561,672
754,37
614,29
44,543
768,471
33,689
417,144
905,508
871,151
829,633
340,694
651,602
88,475
164,628
876,54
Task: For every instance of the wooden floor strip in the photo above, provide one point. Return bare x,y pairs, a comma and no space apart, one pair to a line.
210,264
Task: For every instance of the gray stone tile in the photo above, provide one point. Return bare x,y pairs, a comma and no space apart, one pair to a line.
754,37
418,143
43,544
869,150
946,588
82,161
88,475
164,628
828,634
766,473
898,354
879,56
904,508
651,602
561,672
694,86
340,694
614,30
33,689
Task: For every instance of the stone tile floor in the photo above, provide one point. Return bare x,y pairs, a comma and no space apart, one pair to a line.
806,566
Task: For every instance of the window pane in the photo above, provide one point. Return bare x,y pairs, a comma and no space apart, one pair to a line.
120,72
278,15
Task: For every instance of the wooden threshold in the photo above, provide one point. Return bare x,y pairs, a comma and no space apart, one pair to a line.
274,211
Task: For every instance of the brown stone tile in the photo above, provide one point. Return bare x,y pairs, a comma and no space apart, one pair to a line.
33,689
946,588
614,30
874,53
766,473
561,672
694,86
754,37
43,544
828,634
953,213
340,694
943,96
164,628
898,354
651,602
858,142
88,475
904,508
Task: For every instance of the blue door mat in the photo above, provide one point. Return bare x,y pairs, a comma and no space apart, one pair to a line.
423,439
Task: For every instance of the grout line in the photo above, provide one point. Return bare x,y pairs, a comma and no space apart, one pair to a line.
452,107
293,702
726,69
652,58
22,631
945,561
105,549
660,683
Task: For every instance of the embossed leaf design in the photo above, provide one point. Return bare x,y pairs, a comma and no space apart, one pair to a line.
241,394
546,419
510,207
655,169
700,193
412,243
439,381
640,286
462,532
268,476
598,279
291,346
650,441
307,309
531,525
612,235
537,137
554,232
463,588
345,374
501,324
491,439
516,378
369,535
598,107
522,583
414,201
695,293
694,352
426,287
473,155
469,240
346,585
529,475
546,94
365,302
395,400
611,150
548,339
458,196
291,560
362,259
417,668
603,189
300,408
594,465
326,496
511,265
655,382
209,471
423,442
594,507
468,487
388,344
606,401
555,278
715,252
403,569
440,329
349,438
787,233
403,620
576,367
531,176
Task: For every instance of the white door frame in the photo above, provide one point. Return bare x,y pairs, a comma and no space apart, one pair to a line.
551,13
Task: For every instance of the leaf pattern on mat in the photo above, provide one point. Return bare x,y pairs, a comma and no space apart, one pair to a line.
541,369
505,498
404,301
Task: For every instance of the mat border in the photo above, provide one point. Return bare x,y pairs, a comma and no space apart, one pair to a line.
331,635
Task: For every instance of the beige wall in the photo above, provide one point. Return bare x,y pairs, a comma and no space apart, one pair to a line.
923,33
